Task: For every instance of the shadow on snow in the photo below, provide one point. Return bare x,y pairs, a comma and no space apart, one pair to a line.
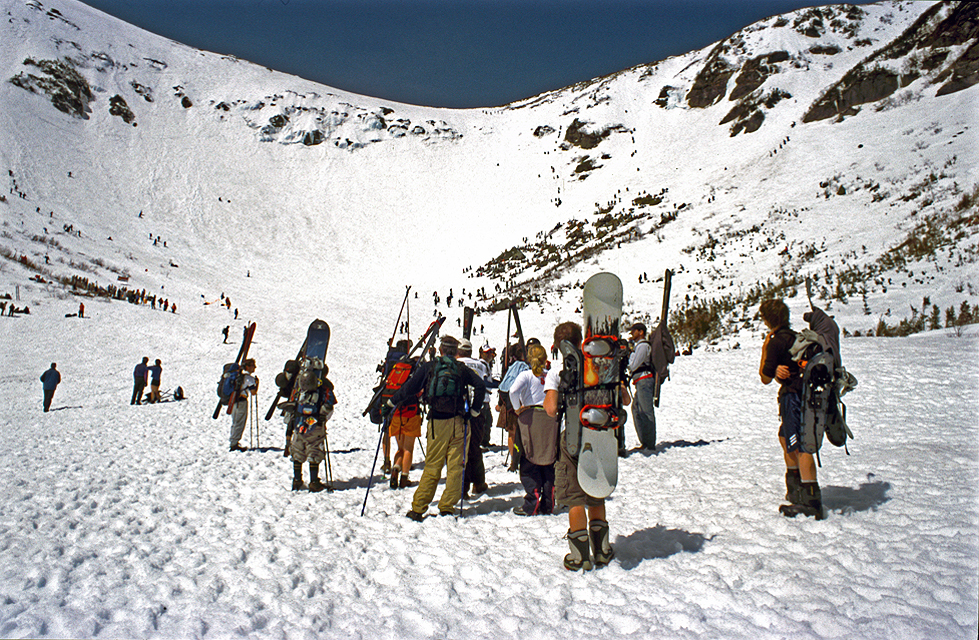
657,542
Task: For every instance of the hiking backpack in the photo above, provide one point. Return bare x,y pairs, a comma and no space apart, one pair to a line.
824,382
397,376
445,390
226,384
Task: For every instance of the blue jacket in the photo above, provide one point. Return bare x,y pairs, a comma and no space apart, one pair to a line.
50,379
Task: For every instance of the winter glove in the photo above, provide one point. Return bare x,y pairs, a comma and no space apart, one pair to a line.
386,409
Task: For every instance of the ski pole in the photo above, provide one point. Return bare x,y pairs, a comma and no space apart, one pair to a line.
370,479
328,469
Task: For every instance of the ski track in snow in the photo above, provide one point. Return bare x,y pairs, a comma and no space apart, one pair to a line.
123,521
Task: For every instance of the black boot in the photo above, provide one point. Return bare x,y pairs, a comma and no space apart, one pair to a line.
314,478
793,486
297,476
811,503
578,558
601,550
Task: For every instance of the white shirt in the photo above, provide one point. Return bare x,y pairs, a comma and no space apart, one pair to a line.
527,390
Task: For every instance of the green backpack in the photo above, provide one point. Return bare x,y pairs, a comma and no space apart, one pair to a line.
445,391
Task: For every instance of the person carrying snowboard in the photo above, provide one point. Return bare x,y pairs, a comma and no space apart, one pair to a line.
587,519
49,382
444,382
313,409
239,413
802,488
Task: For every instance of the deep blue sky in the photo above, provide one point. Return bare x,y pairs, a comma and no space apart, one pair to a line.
447,53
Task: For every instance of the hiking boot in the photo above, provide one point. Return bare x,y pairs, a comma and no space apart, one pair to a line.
811,503
386,466
447,513
315,485
480,488
297,476
518,510
601,550
578,558
414,515
793,486
237,447
394,477
405,482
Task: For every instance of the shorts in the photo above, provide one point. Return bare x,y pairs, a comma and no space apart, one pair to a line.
790,412
567,491
402,426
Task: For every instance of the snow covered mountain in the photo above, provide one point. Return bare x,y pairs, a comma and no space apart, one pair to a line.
837,142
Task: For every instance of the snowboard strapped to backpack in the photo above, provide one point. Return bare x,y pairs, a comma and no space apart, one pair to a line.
824,382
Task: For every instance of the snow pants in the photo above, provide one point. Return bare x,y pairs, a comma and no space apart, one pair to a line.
239,418
138,386
538,484
644,412
475,470
310,446
446,446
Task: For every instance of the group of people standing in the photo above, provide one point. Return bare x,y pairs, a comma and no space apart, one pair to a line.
147,374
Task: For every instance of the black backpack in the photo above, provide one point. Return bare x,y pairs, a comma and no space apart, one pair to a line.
445,390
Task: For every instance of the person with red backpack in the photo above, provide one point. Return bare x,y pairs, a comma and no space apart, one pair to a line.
405,424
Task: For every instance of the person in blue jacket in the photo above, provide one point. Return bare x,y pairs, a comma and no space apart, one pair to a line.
49,382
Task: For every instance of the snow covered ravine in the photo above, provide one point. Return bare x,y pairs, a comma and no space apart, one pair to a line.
136,522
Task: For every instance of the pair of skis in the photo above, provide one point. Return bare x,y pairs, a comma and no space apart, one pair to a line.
246,343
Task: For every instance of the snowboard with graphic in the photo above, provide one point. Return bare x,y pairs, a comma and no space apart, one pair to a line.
602,357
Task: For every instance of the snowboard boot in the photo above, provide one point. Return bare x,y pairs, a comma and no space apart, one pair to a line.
297,476
314,478
602,551
810,504
578,558
793,486
395,472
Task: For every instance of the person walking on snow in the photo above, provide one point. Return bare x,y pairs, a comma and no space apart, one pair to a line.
447,432
49,382
802,487
587,520
644,378
239,413
140,374
314,408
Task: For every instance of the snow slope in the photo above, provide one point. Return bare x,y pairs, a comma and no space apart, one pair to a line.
136,522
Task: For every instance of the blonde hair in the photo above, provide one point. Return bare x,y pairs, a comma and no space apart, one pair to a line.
536,358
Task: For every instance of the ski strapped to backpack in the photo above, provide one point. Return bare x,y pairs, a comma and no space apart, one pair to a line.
226,397
424,343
